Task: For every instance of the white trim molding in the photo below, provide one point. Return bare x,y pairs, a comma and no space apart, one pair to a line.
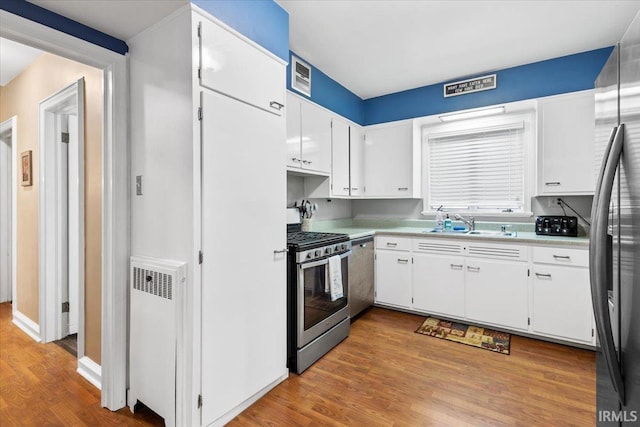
11,125
90,371
115,189
26,325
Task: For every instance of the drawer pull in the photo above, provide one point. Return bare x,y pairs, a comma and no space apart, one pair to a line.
403,188
276,105
307,162
354,188
553,183
567,257
474,269
296,160
392,244
345,188
456,266
402,261
547,275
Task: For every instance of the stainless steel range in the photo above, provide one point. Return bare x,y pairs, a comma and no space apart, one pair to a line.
318,319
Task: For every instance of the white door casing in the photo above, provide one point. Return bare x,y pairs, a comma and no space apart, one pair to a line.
8,218
61,200
115,189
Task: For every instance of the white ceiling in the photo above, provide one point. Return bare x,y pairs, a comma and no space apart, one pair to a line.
376,47
14,57
122,19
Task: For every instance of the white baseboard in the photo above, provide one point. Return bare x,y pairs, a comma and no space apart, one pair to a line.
250,401
27,325
90,371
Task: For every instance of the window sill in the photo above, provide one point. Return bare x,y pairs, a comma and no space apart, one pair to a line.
480,215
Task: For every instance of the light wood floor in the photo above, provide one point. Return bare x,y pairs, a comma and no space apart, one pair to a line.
39,386
384,374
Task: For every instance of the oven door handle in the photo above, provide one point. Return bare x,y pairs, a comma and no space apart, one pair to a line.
322,261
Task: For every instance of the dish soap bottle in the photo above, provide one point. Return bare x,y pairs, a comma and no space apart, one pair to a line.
447,224
439,219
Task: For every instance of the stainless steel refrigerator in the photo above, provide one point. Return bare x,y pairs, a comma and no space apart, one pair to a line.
615,234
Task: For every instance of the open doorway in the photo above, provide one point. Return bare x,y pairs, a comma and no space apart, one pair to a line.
61,212
8,158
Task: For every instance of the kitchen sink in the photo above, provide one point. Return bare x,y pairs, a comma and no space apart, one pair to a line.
492,233
475,232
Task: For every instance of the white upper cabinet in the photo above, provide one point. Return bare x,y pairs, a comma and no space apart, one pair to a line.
340,181
389,161
309,128
231,66
566,144
356,160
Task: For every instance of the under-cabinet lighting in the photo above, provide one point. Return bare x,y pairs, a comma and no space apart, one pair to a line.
472,114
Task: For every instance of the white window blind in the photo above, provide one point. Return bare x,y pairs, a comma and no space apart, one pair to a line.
478,169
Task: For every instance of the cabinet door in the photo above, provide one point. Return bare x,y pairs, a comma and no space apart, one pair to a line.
438,284
393,278
316,138
562,302
232,66
234,292
356,152
361,268
496,292
566,159
388,163
340,157
292,113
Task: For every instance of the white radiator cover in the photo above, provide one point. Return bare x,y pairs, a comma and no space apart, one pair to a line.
155,289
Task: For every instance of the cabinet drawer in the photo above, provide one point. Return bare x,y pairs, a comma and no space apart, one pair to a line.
393,243
561,256
438,246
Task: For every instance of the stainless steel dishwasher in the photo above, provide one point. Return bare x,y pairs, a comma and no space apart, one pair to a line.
361,275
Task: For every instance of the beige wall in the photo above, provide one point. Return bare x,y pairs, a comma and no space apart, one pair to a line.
20,97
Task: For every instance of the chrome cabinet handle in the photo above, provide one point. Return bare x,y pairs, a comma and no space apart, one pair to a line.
276,105
543,275
402,261
354,188
456,266
553,183
307,162
474,269
346,188
598,258
296,160
281,251
567,257
403,188
392,244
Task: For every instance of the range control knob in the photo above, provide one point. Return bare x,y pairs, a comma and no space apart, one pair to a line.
337,248
318,252
344,247
327,251
309,255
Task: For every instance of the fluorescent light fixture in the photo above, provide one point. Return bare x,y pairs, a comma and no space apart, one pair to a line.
472,114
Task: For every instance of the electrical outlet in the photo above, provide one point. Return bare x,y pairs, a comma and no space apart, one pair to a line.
139,185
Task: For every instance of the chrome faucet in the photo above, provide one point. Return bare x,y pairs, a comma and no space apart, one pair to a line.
471,222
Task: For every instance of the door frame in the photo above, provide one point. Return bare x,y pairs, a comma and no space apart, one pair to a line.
53,216
11,125
112,373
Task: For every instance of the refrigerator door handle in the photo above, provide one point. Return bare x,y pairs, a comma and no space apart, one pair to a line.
598,256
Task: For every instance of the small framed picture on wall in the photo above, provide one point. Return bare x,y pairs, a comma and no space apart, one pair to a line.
26,168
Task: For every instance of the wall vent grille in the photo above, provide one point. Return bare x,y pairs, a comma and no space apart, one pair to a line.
153,282
495,252
438,248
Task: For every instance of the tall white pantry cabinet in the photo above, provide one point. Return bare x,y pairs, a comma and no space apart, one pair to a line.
208,141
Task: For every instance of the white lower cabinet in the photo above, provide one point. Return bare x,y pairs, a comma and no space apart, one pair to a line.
561,298
438,284
496,292
393,272
540,290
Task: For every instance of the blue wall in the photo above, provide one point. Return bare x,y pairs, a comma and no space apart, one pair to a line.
61,23
263,21
554,76
330,94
